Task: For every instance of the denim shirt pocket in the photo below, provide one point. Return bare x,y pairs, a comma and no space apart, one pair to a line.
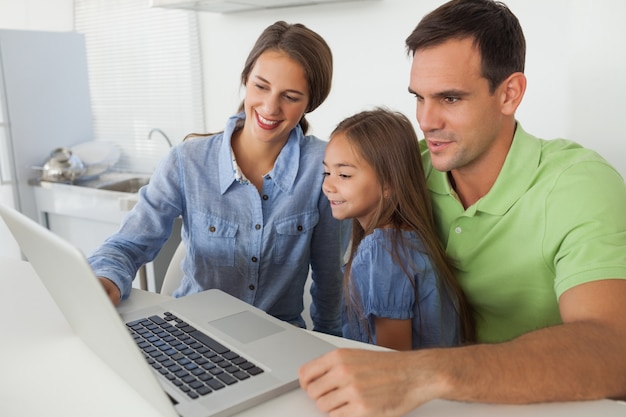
215,240
293,237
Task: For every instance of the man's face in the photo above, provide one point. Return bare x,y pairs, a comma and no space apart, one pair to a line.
461,120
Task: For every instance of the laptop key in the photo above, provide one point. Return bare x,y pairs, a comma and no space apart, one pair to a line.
226,378
209,342
196,384
231,356
157,320
241,375
188,379
216,371
238,361
187,328
255,371
205,377
215,384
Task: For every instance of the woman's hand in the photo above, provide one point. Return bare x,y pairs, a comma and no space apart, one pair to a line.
112,291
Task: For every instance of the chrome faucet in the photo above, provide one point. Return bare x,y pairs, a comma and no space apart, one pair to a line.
156,129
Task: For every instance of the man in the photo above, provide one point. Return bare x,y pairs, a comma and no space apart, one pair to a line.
536,228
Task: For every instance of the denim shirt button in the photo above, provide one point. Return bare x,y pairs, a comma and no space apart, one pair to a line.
265,197
299,228
251,287
212,229
257,226
254,259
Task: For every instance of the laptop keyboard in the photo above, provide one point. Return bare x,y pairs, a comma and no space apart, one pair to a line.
188,358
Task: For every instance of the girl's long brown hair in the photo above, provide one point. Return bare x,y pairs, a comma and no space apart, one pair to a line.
387,141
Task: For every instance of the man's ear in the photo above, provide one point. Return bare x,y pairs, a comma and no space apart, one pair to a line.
513,89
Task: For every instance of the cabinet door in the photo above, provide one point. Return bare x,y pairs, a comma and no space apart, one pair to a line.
86,234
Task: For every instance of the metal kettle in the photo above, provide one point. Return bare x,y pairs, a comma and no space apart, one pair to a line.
62,166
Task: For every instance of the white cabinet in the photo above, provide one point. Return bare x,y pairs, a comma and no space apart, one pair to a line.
230,6
85,217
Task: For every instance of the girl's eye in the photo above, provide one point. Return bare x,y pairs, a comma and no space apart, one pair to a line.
291,98
345,176
325,174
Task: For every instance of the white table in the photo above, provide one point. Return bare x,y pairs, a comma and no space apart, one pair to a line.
46,370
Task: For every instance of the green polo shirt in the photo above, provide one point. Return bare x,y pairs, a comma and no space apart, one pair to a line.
555,218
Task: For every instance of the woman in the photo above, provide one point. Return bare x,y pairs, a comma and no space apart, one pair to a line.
254,218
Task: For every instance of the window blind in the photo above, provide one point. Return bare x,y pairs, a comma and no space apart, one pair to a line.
145,73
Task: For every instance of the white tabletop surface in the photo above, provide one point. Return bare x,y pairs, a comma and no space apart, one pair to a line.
46,370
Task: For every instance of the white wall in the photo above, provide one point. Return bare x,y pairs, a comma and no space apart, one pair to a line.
55,15
575,62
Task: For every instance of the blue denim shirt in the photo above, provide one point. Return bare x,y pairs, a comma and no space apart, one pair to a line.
383,290
256,247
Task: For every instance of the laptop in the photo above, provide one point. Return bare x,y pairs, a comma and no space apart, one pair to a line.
207,354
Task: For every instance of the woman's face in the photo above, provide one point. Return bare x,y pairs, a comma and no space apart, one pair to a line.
276,98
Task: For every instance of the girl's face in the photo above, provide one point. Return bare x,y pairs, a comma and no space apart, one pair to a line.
350,184
277,96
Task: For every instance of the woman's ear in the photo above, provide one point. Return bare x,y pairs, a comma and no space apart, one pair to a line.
513,89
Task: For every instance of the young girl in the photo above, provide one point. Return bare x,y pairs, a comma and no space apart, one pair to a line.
254,216
399,290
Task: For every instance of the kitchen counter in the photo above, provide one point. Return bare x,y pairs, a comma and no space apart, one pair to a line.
87,199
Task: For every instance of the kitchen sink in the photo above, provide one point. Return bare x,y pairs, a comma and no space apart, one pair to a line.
129,185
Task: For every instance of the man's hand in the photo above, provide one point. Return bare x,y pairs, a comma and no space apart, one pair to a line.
112,291
345,384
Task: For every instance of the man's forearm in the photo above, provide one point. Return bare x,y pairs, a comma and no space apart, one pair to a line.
575,361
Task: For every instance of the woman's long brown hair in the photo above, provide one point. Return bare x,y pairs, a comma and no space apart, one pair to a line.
304,46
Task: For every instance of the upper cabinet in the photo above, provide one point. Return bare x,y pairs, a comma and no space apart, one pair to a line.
230,6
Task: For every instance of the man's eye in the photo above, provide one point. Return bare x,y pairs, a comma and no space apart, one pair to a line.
451,100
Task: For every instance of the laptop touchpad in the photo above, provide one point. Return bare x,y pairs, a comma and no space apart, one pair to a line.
246,327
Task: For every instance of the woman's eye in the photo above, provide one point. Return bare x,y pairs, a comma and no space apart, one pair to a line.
325,174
